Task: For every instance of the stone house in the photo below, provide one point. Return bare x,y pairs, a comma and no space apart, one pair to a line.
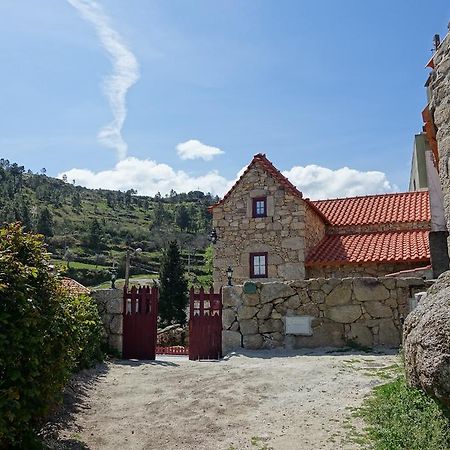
266,230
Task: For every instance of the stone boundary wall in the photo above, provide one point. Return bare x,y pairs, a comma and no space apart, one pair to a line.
364,311
110,306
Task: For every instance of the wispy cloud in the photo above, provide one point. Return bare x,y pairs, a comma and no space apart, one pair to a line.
194,149
125,72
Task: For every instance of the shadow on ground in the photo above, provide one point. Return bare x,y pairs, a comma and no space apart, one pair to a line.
75,398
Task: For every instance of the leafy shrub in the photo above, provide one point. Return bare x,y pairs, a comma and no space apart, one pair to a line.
400,417
45,334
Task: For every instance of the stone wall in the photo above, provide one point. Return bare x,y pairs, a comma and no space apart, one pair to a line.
359,270
365,311
315,229
440,107
110,306
281,234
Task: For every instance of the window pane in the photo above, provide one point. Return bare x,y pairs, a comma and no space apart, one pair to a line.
259,265
260,207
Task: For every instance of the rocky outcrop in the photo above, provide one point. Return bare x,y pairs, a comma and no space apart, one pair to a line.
426,340
173,335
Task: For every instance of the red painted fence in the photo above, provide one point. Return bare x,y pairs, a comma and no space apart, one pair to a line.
172,350
140,315
205,325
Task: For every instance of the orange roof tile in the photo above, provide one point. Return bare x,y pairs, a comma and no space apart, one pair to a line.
267,165
74,287
394,247
377,209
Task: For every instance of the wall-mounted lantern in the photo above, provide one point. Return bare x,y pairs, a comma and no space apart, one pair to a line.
229,275
213,236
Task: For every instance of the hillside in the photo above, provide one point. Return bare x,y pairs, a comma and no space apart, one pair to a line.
90,229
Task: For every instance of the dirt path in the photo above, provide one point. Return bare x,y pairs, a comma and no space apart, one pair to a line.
256,400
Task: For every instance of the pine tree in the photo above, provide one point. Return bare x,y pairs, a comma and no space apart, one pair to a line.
45,223
183,219
173,297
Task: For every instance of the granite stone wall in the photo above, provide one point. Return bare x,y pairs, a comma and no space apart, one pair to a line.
281,234
440,107
362,311
110,306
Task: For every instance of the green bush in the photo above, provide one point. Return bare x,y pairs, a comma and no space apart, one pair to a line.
46,333
400,417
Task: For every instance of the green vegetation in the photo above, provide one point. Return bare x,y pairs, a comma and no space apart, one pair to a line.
173,298
46,333
400,417
95,227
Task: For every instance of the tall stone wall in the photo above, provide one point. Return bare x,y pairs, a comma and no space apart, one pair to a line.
366,311
440,107
281,234
110,306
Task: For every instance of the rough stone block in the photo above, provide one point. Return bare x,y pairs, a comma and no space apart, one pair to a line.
253,341
327,334
340,295
344,313
308,309
231,296
249,326
247,312
265,311
271,326
231,340
388,333
228,317
272,291
377,310
116,324
293,302
360,334
369,289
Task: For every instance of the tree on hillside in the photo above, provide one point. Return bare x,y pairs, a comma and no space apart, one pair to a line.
95,235
182,218
45,223
173,297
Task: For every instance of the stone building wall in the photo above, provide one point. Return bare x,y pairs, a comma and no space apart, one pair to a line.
110,306
379,227
365,311
440,107
359,270
281,234
315,229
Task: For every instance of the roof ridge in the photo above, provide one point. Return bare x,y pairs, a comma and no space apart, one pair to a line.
386,194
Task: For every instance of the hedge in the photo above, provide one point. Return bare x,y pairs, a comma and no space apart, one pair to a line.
46,333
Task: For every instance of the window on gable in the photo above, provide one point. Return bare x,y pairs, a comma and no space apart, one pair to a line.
260,207
258,265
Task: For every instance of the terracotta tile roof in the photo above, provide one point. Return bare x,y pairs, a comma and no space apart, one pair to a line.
377,209
267,165
394,247
74,287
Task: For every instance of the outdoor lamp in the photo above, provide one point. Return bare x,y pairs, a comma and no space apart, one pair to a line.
113,277
213,236
229,275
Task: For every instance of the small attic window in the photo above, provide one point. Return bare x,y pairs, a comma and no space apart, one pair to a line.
260,207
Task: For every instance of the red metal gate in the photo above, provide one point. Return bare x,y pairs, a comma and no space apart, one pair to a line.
205,325
140,315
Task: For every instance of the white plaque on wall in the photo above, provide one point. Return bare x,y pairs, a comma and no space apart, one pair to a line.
299,325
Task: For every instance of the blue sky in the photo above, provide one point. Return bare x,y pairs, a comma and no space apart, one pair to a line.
317,86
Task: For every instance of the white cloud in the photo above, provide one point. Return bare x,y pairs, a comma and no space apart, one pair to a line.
318,182
194,149
125,72
148,177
